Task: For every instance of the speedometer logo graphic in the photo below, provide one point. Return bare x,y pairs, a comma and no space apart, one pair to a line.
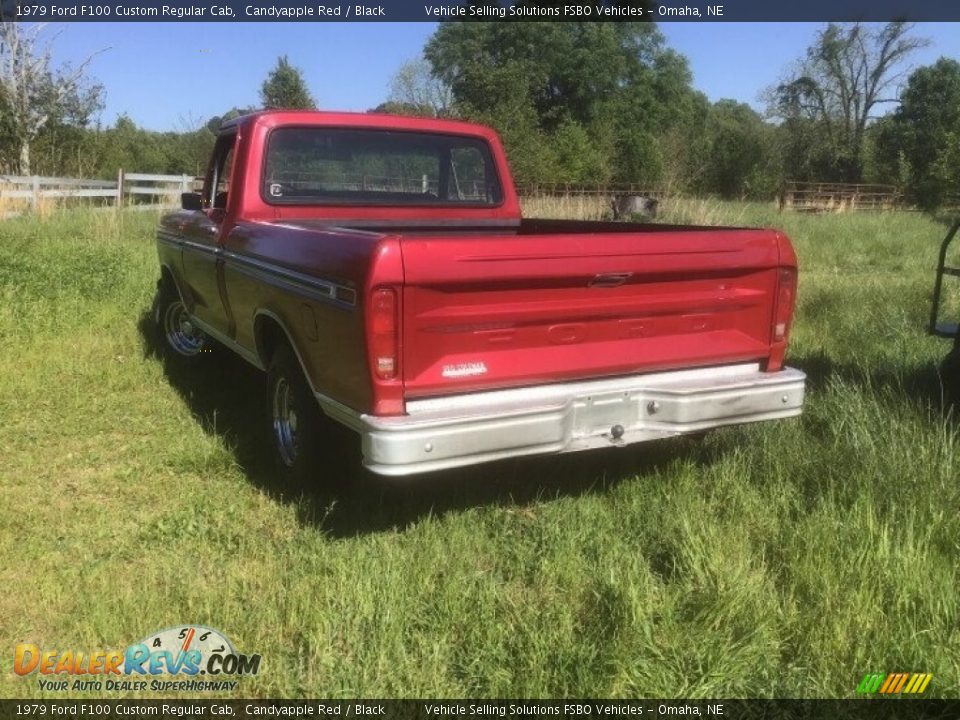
189,650
183,638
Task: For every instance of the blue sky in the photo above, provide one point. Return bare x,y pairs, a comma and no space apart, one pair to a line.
173,76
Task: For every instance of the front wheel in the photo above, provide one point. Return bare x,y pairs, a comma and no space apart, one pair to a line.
179,333
295,421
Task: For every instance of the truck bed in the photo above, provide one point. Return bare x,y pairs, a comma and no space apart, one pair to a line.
537,301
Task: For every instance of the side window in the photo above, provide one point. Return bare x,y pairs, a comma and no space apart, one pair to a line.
222,167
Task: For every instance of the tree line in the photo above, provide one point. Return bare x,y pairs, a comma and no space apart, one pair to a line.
579,103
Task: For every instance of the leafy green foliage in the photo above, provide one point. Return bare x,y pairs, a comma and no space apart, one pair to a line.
554,89
286,88
921,142
134,149
595,103
740,152
62,149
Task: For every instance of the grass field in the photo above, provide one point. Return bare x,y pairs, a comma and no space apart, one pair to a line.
784,559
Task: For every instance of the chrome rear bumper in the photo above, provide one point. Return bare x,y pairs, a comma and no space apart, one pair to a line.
440,433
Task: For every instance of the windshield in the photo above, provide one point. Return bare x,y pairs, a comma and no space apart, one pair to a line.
370,167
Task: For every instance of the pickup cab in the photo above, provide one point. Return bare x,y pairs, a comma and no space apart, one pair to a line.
377,267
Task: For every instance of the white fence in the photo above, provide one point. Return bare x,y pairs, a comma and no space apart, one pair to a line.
128,190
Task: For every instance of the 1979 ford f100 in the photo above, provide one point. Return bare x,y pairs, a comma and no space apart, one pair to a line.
378,269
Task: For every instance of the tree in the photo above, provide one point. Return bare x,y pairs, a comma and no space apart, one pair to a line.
832,93
414,90
580,160
739,152
35,94
532,157
544,85
286,88
567,68
921,141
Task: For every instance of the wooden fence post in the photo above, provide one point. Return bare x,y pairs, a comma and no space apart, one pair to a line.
119,203
35,199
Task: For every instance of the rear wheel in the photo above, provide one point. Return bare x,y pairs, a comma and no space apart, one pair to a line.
180,335
295,421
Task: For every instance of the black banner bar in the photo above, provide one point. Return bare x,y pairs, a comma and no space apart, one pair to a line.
853,709
477,10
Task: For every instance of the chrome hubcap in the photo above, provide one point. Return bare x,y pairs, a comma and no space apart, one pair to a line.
182,336
285,421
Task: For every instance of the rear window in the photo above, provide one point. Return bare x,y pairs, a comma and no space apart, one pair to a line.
377,167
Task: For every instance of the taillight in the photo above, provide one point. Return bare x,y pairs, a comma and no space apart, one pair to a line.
383,333
786,298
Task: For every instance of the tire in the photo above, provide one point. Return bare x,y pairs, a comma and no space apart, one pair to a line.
296,422
180,338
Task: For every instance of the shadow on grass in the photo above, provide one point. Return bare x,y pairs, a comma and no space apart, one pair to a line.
228,397
920,385
944,217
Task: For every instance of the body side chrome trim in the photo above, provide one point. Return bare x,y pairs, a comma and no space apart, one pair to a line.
340,295
250,357
201,247
170,238
309,292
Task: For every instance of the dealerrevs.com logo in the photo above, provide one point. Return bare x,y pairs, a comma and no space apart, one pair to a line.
185,658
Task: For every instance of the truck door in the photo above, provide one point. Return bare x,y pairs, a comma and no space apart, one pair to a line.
202,261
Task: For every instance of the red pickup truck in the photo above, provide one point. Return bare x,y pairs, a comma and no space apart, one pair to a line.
378,269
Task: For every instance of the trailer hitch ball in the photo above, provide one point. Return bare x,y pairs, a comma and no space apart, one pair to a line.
616,432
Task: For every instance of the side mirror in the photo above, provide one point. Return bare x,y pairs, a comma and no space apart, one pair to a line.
191,201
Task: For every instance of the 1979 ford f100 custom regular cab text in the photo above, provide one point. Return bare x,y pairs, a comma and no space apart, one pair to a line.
378,269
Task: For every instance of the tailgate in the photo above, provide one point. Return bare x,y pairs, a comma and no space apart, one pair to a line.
483,312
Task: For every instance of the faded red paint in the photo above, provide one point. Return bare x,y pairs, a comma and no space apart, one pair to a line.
492,302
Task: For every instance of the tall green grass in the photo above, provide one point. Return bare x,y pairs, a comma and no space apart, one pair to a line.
783,559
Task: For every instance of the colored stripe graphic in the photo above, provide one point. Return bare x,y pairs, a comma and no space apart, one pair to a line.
903,679
894,683
870,683
891,678
910,685
918,683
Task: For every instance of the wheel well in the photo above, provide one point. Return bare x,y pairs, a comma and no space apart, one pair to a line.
268,335
167,281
